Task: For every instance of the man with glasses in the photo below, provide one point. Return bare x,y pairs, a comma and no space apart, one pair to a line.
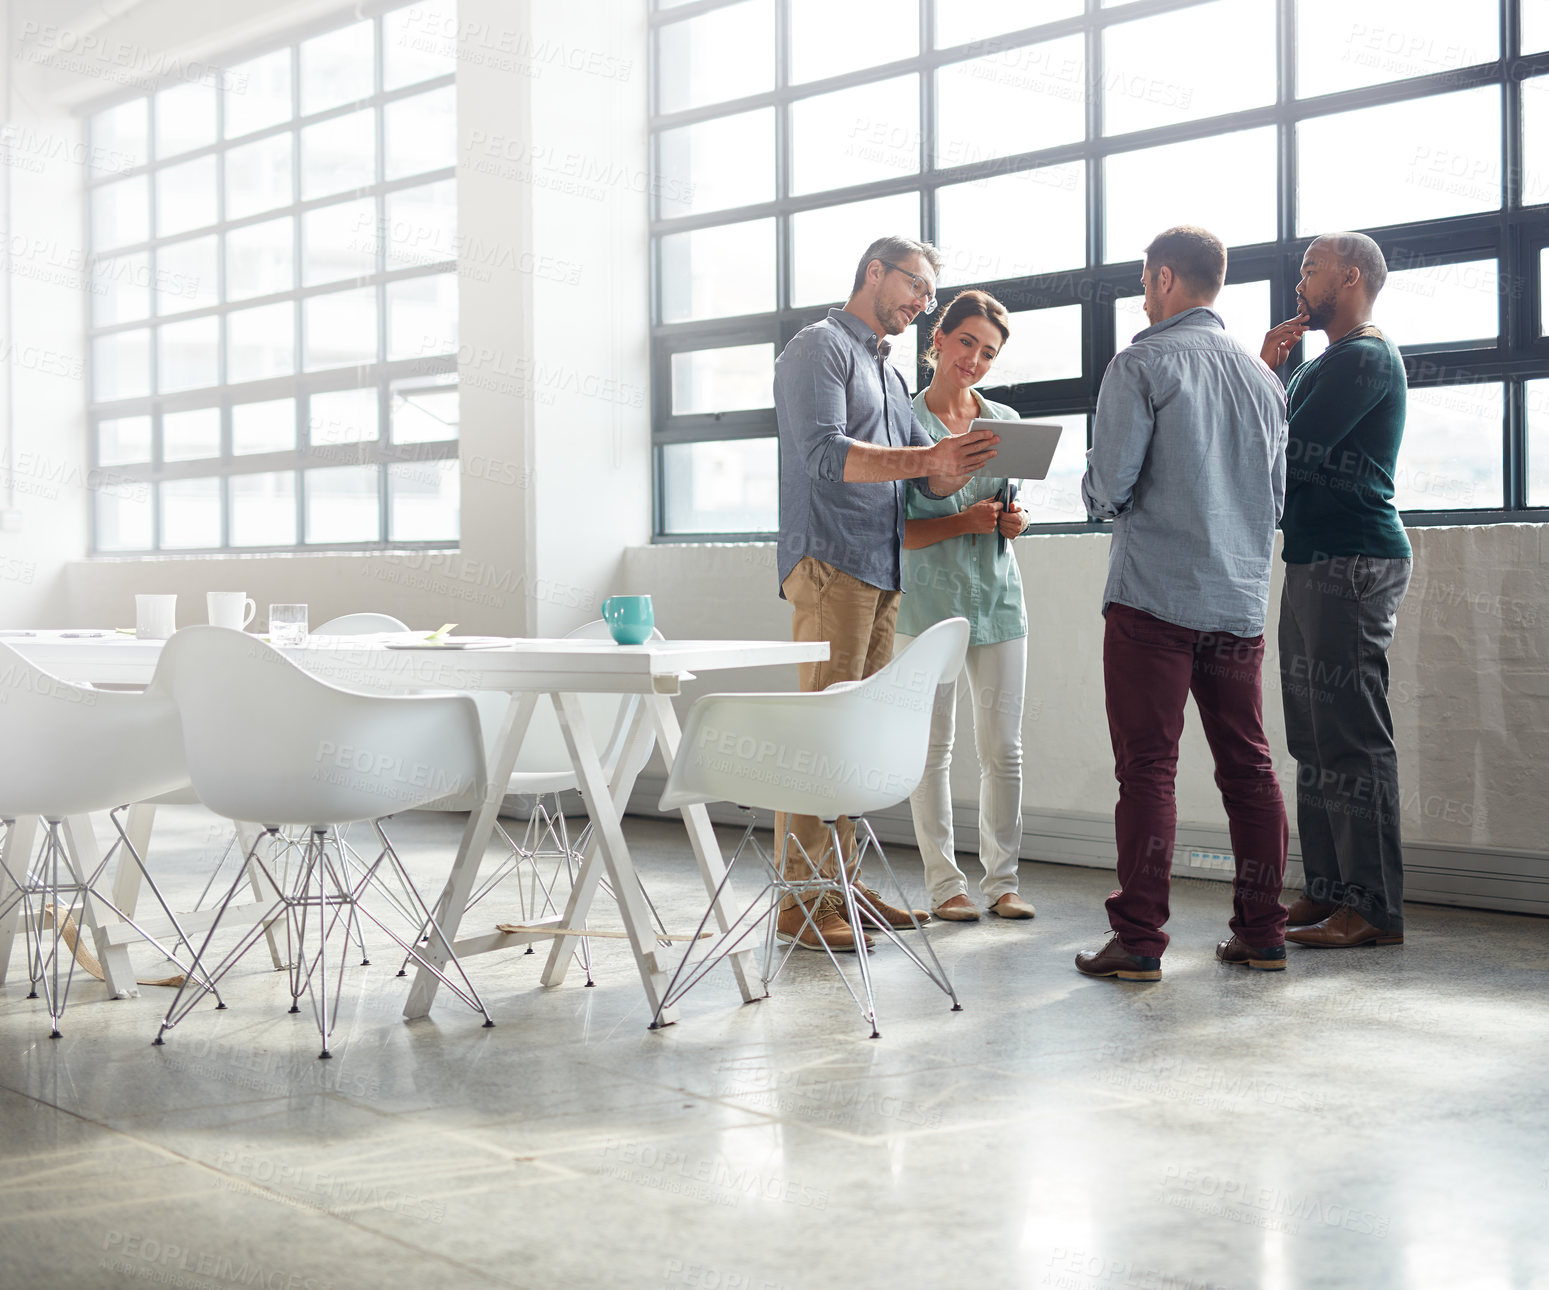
848,443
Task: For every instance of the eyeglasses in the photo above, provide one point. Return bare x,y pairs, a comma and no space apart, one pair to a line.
917,284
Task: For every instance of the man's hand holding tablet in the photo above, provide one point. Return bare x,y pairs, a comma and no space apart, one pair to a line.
954,459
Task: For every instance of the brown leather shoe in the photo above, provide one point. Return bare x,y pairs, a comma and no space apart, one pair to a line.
1265,958
1114,960
1012,905
1304,912
1342,930
959,909
828,926
896,918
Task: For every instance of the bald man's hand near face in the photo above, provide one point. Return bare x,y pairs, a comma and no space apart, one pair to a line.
1280,341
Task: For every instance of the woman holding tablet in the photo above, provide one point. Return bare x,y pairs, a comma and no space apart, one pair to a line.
958,563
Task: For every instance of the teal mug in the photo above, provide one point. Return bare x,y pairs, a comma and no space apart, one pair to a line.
629,618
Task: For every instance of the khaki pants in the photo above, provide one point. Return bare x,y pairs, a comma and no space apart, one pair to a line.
857,621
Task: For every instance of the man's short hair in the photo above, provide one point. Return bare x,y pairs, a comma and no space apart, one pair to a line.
1365,254
895,248
1196,256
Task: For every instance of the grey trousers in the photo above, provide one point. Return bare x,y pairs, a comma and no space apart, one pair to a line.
1336,622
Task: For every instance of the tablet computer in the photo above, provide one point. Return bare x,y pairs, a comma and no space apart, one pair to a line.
1025,451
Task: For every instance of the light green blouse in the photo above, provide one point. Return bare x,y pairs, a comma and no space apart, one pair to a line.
967,576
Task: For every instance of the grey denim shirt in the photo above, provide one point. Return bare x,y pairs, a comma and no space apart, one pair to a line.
1188,460
829,393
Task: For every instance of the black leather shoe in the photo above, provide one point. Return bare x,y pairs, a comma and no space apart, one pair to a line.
1265,958
1114,960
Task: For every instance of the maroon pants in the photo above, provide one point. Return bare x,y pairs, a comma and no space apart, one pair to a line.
1150,667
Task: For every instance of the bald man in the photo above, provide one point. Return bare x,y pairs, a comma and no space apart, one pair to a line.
1347,565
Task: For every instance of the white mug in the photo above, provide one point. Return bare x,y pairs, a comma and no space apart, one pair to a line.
155,617
234,609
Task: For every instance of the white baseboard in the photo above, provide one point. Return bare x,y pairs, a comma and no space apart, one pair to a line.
1435,874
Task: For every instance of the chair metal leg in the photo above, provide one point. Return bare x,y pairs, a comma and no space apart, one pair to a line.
852,915
321,903
56,875
324,1018
346,854
807,892
46,897
179,937
248,870
467,992
690,971
867,842
15,850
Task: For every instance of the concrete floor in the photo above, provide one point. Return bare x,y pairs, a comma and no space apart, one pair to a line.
1371,1119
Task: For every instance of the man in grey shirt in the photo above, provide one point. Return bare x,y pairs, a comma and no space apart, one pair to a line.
1188,460
848,441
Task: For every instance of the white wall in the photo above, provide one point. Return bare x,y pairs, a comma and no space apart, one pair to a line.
555,456
43,477
1470,694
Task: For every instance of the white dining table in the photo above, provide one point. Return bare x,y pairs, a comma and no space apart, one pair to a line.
564,669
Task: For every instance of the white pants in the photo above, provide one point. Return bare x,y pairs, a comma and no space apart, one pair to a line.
997,679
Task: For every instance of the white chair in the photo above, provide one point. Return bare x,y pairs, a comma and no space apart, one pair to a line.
268,743
858,746
288,846
360,625
65,751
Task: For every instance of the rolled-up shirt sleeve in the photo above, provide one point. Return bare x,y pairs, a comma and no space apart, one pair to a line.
1121,436
810,392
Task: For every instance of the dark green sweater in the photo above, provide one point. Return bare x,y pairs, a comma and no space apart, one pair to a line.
1346,422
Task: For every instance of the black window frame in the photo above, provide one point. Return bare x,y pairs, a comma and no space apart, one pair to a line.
1512,235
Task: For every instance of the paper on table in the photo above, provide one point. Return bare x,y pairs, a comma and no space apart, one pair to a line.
452,642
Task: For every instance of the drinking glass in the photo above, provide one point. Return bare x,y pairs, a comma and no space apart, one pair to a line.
287,625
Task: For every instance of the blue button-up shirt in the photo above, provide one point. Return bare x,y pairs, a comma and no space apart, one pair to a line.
1188,460
832,389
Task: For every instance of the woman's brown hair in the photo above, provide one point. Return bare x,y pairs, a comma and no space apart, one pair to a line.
966,305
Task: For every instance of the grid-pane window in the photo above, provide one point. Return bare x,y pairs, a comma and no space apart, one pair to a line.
830,39
823,243
982,224
1535,141
1441,303
1454,171
1041,147
1045,345
1009,103
272,311
1347,44
1538,443
1142,92
725,54
1231,176
1451,458
1056,499
722,487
